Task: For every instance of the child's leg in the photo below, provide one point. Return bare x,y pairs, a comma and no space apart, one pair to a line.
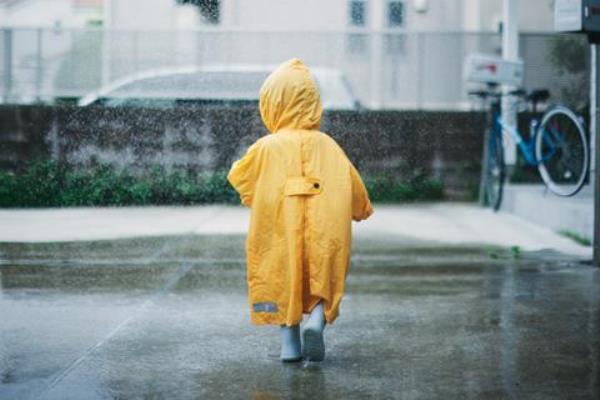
317,316
313,345
290,343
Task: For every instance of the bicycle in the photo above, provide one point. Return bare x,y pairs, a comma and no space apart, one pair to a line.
558,147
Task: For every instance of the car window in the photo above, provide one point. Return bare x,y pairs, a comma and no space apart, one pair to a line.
135,102
335,92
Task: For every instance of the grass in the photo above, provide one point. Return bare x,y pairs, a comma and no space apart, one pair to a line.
50,184
514,252
576,237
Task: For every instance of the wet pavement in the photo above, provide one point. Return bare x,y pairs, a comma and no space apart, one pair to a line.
166,317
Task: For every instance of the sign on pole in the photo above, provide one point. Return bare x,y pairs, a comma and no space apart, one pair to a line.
491,69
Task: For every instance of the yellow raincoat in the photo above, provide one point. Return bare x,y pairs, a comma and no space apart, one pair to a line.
303,192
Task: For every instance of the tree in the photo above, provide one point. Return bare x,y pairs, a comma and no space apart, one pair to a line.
569,55
209,9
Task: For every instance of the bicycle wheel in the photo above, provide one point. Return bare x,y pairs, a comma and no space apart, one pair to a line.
562,151
494,179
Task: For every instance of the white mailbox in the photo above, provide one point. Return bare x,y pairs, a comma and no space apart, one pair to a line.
490,69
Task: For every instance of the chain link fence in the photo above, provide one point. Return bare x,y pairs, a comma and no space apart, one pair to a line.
385,70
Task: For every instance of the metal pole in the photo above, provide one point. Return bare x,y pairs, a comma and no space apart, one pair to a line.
107,43
595,146
376,10
38,66
376,68
488,120
420,66
7,63
510,51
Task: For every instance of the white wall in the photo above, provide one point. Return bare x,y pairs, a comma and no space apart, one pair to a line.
282,15
141,14
279,15
534,15
39,13
150,15
440,15
46,13
333,15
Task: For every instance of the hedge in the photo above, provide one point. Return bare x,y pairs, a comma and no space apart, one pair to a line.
49,184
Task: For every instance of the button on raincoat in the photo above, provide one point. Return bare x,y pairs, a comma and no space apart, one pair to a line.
303,193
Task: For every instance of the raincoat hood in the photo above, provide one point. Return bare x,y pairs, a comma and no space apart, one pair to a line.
290,98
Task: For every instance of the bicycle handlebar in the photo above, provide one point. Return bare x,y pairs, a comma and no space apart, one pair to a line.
485,93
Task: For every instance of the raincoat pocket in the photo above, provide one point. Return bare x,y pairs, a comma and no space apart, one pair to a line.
303,186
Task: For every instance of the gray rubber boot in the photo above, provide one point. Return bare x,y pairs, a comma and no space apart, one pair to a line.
290,343
313,344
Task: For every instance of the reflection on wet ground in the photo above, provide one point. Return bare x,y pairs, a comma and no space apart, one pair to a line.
167,318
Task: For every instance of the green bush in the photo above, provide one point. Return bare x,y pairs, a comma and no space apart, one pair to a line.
49,184
388,190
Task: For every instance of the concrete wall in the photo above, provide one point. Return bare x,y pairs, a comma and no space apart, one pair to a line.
486,15
285,15
38,13
49,13
535,203
157,14
442,145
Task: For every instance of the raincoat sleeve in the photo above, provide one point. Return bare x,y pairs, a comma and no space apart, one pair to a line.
361,205
243,175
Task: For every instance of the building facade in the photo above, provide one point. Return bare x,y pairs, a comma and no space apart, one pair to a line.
326,16
395,53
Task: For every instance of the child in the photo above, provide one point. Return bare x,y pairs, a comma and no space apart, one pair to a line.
303,192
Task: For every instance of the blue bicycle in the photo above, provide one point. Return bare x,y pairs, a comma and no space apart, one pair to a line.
558,147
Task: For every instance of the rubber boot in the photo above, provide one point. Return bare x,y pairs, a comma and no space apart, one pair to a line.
290,343
313,344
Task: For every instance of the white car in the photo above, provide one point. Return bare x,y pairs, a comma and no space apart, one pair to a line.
195,86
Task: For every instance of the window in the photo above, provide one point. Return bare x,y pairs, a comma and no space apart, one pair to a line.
358,13
395,14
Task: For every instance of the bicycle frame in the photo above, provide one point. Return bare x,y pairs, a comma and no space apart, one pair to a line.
548,148
527,147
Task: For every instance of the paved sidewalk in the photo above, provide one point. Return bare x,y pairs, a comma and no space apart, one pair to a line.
438,223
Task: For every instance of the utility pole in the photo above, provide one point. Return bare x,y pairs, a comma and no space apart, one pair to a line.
595,145
510,52
8,61
376,37
107,42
